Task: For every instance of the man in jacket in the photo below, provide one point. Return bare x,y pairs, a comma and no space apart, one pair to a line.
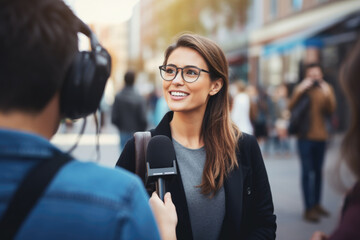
312,143
129,110
38,58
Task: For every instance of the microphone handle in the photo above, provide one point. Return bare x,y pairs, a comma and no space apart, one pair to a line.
160,188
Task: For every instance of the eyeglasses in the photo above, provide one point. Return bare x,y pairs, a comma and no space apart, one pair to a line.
189,73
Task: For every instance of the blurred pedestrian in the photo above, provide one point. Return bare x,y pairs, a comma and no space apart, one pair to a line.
240,111
282,115
221,190
348,226
45,193
312,144
105,105
161,108
151,101
260,104
129,113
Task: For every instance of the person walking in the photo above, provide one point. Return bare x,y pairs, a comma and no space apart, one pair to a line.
45,193
282,114
259,115
128,110
221,190
240,112
312,143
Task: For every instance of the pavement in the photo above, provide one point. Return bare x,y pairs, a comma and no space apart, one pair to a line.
283,173
284,178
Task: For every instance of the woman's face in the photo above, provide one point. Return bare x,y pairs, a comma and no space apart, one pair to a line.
182,96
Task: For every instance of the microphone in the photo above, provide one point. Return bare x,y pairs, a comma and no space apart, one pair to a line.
160,162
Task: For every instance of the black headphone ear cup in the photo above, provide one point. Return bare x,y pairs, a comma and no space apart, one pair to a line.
84,84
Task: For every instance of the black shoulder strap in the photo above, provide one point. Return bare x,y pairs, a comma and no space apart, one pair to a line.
27,195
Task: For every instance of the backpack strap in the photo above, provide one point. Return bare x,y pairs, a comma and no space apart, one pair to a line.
28,193
141,142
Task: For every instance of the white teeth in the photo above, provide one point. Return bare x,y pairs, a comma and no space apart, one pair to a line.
179,94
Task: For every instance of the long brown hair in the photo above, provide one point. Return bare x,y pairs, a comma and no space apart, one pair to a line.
350,82
219,133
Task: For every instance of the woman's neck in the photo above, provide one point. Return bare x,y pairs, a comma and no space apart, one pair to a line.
186,129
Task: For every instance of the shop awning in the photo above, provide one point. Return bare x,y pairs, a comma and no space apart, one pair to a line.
310,37
302,29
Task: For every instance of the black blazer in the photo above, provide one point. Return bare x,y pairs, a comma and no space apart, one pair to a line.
249,206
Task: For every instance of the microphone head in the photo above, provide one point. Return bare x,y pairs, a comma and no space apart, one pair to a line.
160,152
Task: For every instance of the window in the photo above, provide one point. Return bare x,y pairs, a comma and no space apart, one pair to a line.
297,4
273,8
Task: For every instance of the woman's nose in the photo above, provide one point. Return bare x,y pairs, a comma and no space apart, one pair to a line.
178,80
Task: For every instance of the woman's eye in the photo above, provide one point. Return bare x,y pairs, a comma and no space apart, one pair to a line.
192,72
169,70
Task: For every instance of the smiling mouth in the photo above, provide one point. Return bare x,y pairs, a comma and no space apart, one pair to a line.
178,94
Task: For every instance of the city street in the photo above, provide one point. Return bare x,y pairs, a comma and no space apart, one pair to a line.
241,88
284,176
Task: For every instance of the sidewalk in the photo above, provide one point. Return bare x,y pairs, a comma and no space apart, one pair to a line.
86,149
284,177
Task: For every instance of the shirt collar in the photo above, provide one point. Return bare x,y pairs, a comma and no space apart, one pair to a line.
25,144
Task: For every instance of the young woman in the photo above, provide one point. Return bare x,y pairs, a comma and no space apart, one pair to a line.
221,190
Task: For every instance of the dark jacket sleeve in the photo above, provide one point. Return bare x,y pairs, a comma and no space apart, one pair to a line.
127,157
261,215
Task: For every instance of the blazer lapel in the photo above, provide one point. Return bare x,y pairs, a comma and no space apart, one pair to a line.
234,188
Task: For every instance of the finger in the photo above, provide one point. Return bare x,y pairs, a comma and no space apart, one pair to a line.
168,201
167,197
154,198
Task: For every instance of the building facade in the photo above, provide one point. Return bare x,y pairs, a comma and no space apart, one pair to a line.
295,33
272,46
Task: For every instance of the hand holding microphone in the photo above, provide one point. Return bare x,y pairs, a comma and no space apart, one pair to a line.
165,215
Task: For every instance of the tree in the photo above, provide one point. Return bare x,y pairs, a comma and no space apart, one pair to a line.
173,17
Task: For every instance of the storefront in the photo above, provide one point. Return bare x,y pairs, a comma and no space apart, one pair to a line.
326,38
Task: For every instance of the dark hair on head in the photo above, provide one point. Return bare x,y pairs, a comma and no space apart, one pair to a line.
219,133
313,65
38,41
129,78
349,79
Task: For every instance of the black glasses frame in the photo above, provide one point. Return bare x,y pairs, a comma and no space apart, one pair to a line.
162,68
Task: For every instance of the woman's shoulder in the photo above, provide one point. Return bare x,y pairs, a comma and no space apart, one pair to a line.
249,150
138,138
247,139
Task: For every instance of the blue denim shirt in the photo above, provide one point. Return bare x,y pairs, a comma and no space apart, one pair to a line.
84,200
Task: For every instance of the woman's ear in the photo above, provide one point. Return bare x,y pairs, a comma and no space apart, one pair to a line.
216,86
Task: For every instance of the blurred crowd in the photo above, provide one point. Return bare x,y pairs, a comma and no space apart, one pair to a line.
266,114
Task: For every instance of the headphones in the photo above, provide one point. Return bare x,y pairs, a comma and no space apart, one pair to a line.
85,80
